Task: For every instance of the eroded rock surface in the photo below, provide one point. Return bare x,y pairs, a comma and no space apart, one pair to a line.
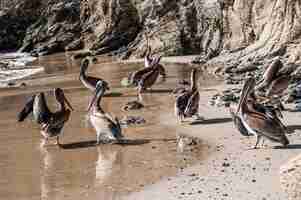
233,33
58,28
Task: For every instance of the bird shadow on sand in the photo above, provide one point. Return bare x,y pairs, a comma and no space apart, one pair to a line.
113,94
293,128
92,143
125,142
290,146
211,121
158,91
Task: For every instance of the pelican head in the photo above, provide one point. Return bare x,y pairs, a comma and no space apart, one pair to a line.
100,89
60,97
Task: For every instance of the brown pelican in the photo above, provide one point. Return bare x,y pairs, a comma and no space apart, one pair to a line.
187,102
259,123
88,81
107,129
276,78
136,76
51,123
266,110
148,60
148,80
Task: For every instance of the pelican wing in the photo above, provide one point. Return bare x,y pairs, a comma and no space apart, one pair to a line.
192,104
136,76
272,70
267,127
149,78
116,129
239,124
113,125
41,112
278,85
56,122
28,108
181,103
270,74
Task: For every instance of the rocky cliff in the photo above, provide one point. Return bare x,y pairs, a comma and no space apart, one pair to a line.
226,31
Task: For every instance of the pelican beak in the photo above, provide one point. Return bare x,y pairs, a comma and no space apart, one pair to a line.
245,91
97,90
68,103
91,103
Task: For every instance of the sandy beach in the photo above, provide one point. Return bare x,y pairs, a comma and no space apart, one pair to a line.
221,165
232,169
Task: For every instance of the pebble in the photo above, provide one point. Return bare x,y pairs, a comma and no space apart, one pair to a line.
226,164
132,120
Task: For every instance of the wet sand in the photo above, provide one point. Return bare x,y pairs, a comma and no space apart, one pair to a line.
80,169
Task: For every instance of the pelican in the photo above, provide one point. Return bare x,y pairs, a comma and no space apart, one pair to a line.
88,81
259,123
276,78
266,110
149,79
107,129
148,59
187,102
51,123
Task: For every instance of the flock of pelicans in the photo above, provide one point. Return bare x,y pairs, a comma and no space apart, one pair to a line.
251,116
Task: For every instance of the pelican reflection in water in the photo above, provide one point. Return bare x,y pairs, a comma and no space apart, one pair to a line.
51,123
108,130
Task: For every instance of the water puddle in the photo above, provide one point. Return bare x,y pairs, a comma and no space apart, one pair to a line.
80,169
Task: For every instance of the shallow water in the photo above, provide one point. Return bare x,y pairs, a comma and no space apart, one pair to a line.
80,169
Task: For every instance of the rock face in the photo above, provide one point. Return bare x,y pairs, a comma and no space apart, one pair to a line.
109,25
290,178
14,23
232,32
57,28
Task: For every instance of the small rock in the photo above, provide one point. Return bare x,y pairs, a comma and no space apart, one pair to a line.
226,164
133,105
